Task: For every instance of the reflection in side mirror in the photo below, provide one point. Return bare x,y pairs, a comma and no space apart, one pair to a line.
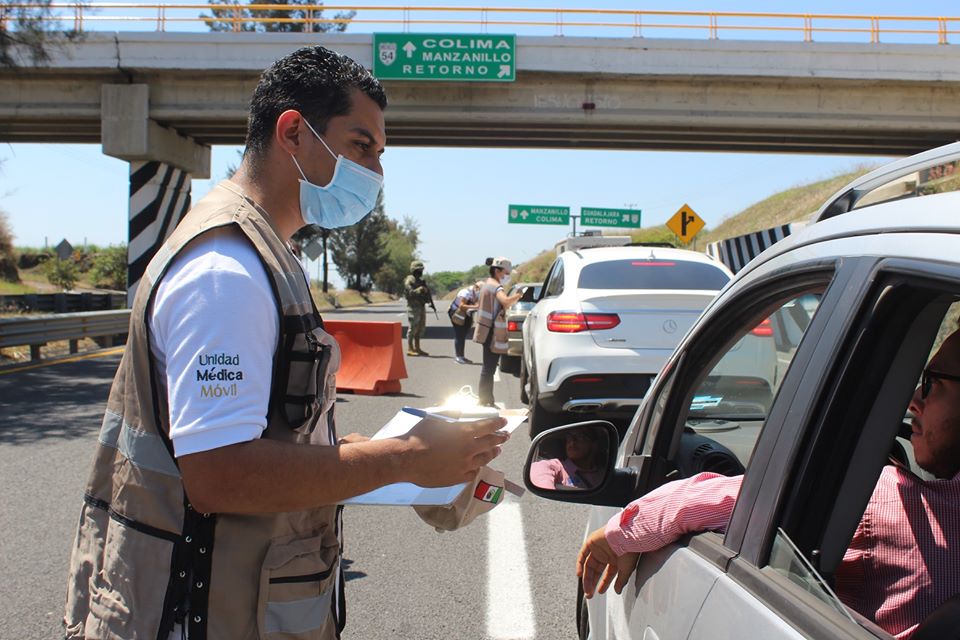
571,459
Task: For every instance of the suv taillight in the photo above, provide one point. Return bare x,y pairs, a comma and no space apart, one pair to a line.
764,329
570,322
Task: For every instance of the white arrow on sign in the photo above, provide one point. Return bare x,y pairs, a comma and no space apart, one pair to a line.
409,48
524,214
504,70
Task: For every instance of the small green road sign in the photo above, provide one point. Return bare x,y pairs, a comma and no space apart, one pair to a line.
537,214
593,217
455,57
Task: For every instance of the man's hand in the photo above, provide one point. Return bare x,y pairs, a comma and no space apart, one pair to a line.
597,562
445,453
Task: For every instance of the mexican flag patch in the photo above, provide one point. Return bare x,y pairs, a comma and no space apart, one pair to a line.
488,492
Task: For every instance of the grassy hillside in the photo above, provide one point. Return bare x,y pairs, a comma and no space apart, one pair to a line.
781,208
535,269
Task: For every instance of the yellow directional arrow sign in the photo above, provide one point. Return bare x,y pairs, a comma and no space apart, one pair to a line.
685,223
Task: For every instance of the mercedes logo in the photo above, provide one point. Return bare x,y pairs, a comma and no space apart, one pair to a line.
670,326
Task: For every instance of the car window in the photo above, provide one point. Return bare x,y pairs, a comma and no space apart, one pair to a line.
554,284
822,540
732,401
939,179
652,274
788,561
531,292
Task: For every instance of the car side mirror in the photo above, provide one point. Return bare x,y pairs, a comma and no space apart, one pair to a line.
577,463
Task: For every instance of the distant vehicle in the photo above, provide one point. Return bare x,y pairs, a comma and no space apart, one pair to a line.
605,322
797,376
591,240
510,361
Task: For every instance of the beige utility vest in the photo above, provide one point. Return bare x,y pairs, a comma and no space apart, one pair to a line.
144,559
491,316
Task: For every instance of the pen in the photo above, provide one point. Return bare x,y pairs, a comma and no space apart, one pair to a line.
420,413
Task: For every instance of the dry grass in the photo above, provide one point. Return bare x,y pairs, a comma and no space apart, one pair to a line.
336,299
781,208
15,288
535,269
21,354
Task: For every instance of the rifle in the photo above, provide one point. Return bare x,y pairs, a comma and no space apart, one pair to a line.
432,306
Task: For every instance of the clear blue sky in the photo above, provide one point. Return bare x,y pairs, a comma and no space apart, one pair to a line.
459,197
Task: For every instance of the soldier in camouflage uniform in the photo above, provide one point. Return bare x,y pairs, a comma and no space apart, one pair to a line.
418,296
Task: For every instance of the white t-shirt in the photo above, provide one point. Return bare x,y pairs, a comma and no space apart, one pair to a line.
214,328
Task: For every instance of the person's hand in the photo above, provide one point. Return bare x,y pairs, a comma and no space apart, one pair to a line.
597,562
447,453
352,438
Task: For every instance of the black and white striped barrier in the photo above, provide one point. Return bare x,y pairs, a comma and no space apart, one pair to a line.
738,251
159,198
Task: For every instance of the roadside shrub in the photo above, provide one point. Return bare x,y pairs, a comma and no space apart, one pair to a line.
61,273
109,270
30,258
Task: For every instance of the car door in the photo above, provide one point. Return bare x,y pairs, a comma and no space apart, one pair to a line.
699,401
533,326
819,478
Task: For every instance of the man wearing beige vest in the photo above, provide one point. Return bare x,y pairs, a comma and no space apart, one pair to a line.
212,508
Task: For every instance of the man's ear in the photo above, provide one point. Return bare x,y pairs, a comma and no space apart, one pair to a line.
289,130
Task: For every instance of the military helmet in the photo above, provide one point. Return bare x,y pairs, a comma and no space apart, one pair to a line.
416,264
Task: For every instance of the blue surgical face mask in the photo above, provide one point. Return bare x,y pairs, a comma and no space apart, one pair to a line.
351,194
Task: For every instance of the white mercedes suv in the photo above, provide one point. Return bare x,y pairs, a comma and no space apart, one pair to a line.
606,321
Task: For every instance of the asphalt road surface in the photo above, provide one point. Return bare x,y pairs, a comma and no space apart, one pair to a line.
509,575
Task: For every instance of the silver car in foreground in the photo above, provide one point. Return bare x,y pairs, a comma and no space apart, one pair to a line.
867,290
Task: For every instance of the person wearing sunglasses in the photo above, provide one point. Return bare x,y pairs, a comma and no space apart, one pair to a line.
900,564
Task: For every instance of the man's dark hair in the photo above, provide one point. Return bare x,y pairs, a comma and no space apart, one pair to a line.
314,81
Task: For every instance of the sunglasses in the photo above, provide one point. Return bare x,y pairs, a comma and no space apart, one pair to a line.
926,380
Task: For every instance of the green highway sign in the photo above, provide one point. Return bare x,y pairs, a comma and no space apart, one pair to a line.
455,57
537,214
593,217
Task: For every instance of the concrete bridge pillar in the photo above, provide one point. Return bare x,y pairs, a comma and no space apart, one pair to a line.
162,165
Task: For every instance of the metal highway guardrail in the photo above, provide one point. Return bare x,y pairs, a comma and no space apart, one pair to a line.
85,16
37,330
63,302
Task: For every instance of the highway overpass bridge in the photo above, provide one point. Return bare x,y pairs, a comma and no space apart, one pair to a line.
570,92
159,100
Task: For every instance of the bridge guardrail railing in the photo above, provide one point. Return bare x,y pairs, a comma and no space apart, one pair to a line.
109,327
87,16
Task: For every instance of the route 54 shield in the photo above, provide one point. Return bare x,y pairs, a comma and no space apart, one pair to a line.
388,52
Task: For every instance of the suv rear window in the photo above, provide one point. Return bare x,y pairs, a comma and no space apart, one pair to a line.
652,274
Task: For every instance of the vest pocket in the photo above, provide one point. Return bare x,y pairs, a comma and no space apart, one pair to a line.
127,593
296,590
309,361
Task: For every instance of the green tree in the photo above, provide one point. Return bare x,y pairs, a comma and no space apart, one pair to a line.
358,251
31,28
110,268
442,282
400,248
8,259
61,273
301,17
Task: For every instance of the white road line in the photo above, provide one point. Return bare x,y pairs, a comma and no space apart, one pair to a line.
509,601
496,375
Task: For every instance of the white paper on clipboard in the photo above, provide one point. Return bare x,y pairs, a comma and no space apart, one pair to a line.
407,493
